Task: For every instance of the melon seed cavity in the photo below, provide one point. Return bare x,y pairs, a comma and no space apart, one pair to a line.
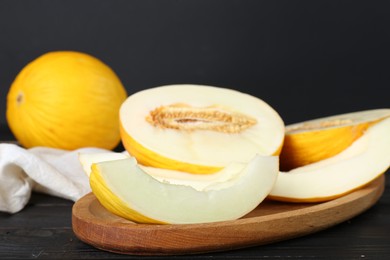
188,118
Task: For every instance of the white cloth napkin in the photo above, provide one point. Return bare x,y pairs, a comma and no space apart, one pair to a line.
47,170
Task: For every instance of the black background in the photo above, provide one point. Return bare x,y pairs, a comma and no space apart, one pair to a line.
307,59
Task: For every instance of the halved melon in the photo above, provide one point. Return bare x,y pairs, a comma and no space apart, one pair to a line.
363,161
198,129
318,139
126,190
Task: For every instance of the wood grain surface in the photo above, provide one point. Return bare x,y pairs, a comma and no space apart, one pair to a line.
270,222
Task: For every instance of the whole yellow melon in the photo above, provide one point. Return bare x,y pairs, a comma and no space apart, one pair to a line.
66,100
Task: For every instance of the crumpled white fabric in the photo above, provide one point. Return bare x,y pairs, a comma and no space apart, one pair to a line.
46,170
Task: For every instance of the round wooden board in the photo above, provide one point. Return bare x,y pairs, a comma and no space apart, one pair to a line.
270,222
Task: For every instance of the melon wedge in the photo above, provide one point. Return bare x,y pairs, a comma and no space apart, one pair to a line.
363,161
125,189
198,129
197,181
314,140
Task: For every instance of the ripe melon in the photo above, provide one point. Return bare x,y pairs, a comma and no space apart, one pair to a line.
314,140
145,195
198,129
66,100
360,163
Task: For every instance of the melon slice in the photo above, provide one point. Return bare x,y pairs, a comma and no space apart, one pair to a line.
198,129
125,189
363,161
197,181
314,140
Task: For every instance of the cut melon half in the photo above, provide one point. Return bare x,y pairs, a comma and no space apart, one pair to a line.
314,140
360,163
198,129
127,190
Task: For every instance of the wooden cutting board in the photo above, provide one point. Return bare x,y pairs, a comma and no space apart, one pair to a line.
270,222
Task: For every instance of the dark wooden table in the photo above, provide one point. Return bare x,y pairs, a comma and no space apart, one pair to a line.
43,229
